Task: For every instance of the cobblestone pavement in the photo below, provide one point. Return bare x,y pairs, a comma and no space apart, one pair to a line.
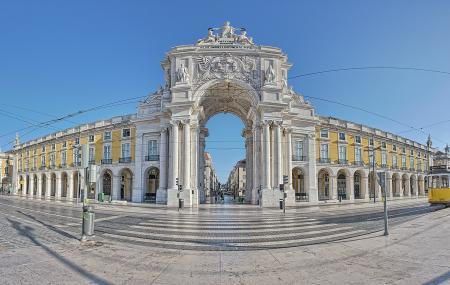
416,252
210,228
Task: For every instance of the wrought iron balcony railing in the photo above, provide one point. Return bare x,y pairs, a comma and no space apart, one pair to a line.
358,163
323,160
125,160
342,161
298,158
153,157
107,161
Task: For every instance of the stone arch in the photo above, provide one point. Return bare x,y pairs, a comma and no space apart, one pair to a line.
107,184
43,184
396,185
343,184
413,185
227,96
53,184
298,183
420,185
324,183
151,182
359,185
405,185
126,184
64,184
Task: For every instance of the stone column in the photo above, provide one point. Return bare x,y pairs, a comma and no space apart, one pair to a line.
194,164
256,166
365,187
289,157
49,186
408,187
399,186
415,188
116,183
266,156
333,187
311,178
201,169
186,158
58,186
278,165
388,189
172,200
161,193
39,186
26,191
70,187
351,187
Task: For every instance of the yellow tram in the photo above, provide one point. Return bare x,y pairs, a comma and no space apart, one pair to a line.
439,188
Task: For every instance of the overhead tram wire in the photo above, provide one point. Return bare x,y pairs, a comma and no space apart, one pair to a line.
50,122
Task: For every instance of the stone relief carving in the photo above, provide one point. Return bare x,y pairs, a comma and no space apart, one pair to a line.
270,75
182,74
227,66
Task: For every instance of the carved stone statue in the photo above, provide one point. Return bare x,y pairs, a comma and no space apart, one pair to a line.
210,38
182,74
227,31
243,39
270,75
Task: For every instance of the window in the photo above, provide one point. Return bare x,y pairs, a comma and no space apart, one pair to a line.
63,157
342,136
152,147
394,147
107,151
91,138
53,146
411,152
418,154
126,133
403,149
43,148
126,150
371,141
358,154
64,144
419,165
324,133
358,139
76,156
43,160
34,162
52,159
394,161
34,151
298,151
411,162
77,141
107,136
403,161
383,158
383,144
371,154
342,152
324,151
91,154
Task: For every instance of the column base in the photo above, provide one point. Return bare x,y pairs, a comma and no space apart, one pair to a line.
161,196
270,198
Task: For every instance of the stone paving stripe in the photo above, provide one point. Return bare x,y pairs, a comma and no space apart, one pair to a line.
187,223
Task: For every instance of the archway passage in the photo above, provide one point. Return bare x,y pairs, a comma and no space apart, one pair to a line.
64,185
323,184
75,184
126,184
235,98
43,185
298,183
53,185
151,184
107,185
358,185
396,192
35,184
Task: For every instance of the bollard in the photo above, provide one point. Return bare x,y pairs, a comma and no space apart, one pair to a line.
88,222
281,204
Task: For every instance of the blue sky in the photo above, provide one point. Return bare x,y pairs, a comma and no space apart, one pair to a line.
58,57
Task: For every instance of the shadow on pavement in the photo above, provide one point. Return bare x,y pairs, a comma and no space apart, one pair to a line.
441,279
27,232
50,227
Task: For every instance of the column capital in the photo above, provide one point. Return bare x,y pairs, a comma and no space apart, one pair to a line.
278,123
175,123
164,129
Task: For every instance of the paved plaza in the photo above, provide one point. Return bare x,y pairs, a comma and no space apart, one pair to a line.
216,244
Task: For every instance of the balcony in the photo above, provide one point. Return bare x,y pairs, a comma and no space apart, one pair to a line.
52,166
33,168
153,157
412,169
91,162
383,166
342,161
404,168
298,158
301,197
358,163
125,160
323,160
107,161
394,167
76,164
42,167
62,165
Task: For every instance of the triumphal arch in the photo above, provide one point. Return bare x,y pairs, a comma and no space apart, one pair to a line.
226,71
